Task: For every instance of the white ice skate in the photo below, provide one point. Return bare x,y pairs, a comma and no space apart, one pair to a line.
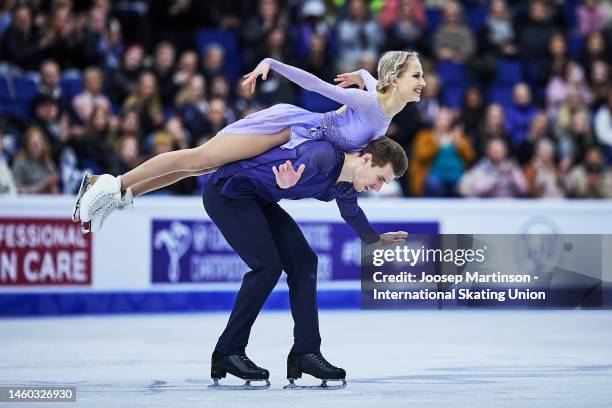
101,192
85,185
121,202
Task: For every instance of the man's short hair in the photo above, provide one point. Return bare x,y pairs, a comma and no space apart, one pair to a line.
385,150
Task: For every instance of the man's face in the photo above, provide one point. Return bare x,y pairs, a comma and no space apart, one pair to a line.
368,177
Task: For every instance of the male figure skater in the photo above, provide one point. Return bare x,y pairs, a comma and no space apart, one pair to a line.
242,198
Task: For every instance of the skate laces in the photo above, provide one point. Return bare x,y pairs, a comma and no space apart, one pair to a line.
247,361
318,357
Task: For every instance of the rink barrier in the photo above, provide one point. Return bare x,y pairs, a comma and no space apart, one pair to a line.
113,272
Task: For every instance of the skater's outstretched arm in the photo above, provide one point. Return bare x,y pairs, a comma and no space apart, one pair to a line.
355,217
355,98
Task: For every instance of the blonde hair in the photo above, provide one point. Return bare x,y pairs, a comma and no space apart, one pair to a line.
391,65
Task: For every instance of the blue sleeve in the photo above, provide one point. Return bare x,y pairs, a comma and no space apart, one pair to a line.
355,217
317,156
355,98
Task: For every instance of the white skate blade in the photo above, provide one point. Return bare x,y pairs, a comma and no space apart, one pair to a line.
85,183
246,386
323,386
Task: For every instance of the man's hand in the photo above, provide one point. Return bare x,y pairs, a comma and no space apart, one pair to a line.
393,238
286,177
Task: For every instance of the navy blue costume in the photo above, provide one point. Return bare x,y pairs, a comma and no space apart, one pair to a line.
242,198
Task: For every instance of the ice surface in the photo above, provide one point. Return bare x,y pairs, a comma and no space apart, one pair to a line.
393,359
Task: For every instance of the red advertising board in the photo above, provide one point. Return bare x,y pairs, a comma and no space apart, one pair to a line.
43,251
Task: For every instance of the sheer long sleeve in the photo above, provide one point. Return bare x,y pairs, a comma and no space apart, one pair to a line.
354,216
355,98
369,81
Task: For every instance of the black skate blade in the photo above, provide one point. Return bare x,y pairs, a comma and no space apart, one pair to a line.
246,386
323,386
85,184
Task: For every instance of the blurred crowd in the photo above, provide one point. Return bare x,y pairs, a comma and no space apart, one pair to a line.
518,100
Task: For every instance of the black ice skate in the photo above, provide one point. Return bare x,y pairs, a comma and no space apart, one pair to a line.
315,365
240,366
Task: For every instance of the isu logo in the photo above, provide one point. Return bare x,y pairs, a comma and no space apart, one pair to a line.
177,240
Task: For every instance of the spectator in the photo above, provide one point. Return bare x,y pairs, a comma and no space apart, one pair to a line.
599,82
50,74
534,32
558,59
129,123
472,110
49,119
453,40
491,127
6,16
357,33
495,175
21,45
576,139
257,28
192,106
187,68
212,61
33,169
590,17
84,103
245,102
603,126
7,182
145,100
559,88
595,49
407,32
538,131
567,111
497,36
430,100
93,146
318,60
163,69
123,80
520,113
215,117
275,46
127,154
60,38
439,157
590,179
544,179
311,24
392,10
94,46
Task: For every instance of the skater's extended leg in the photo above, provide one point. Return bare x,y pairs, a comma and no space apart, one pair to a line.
147,186
221,149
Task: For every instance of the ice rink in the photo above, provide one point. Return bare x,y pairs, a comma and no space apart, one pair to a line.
471,358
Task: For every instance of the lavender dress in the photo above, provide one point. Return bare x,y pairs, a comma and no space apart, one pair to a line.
350,131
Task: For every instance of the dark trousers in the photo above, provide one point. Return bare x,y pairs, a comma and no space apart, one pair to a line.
269,241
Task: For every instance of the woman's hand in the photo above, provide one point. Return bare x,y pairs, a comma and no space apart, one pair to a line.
349,78
251,78
286,177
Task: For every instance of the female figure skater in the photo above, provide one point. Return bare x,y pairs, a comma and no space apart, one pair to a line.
365,116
